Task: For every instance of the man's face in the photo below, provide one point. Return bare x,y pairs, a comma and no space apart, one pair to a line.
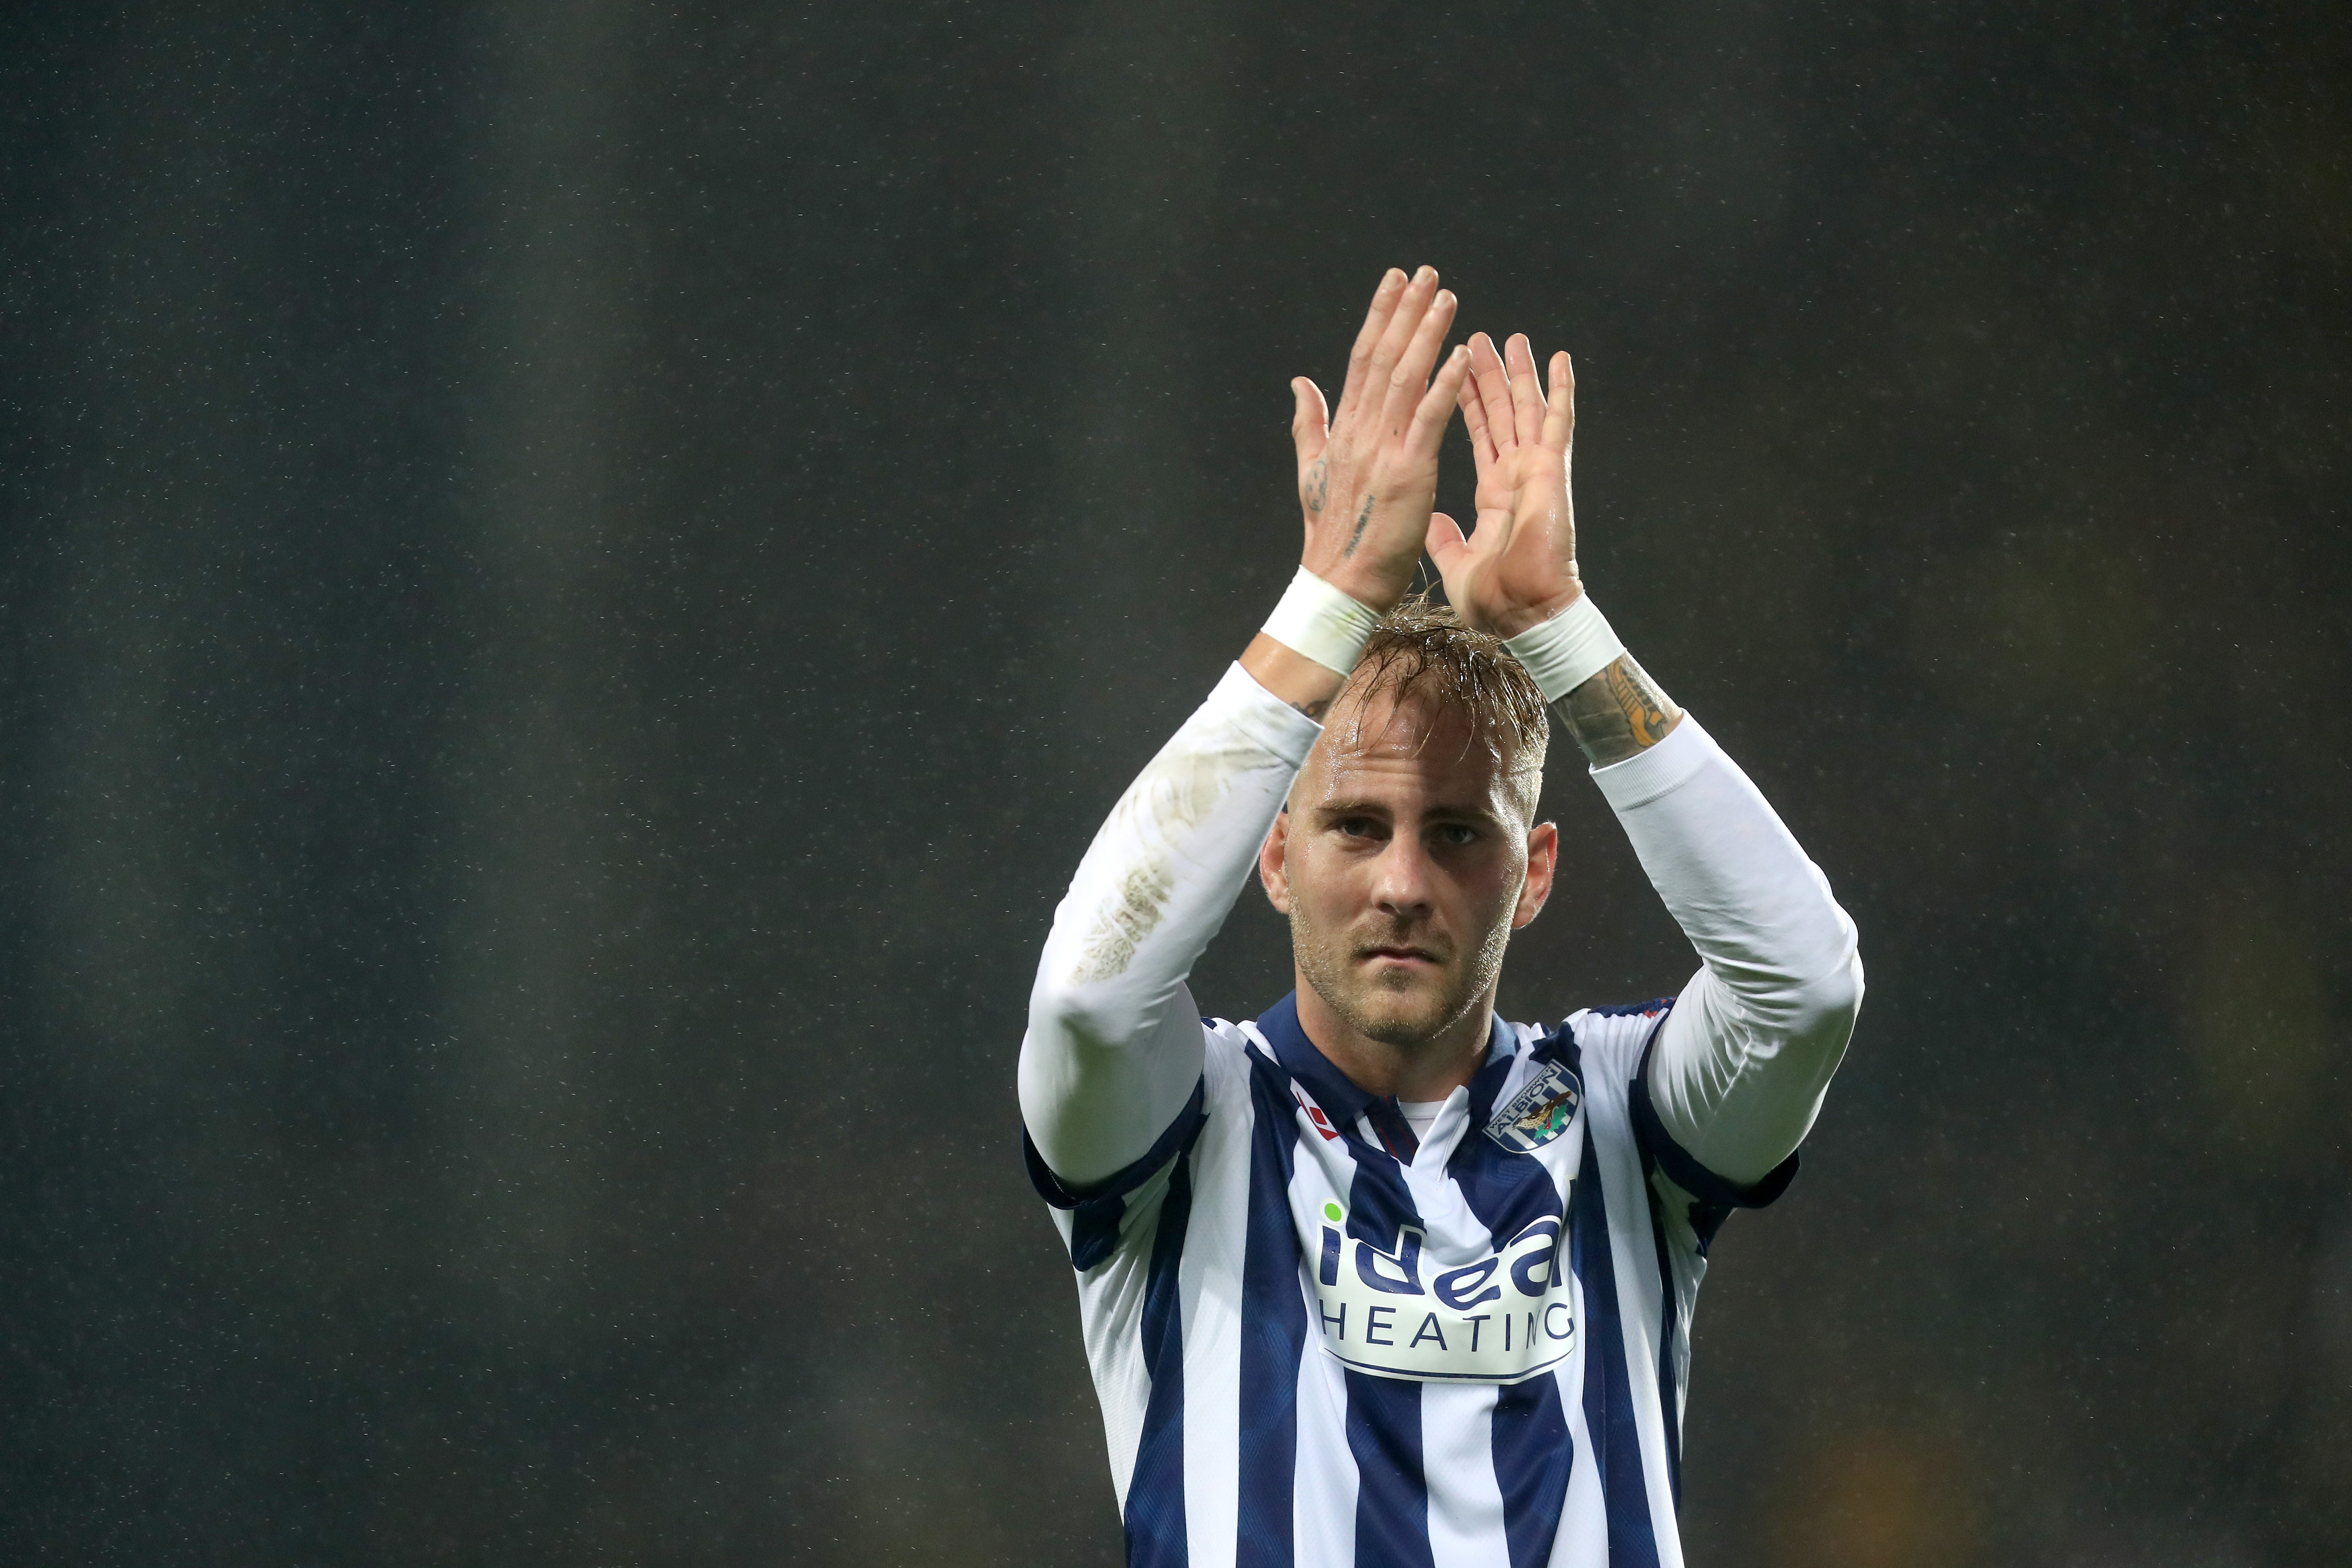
1403,864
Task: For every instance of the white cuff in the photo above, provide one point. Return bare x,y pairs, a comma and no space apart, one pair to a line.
1658,770
1318,622
1569,649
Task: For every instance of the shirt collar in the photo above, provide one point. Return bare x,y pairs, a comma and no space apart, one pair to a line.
1337,1093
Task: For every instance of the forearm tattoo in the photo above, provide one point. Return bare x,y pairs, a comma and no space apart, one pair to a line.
1616,714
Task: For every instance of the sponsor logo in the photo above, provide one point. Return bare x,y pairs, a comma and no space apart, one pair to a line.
1504,1316
1538,1113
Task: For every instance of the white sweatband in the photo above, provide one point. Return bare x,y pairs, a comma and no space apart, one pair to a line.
1316,620
1569,649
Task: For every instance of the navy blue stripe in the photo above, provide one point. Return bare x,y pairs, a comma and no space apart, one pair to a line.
1392,1492
1669,1304
1528,1435
1533,1457
1486,1085
1559,1046
1274,1330
1155,1496
1669,1308
1341,1100
1608,1388
1633,1009
1380,1204
1395,1131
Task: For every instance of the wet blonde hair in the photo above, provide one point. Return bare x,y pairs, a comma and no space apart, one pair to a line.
1422,654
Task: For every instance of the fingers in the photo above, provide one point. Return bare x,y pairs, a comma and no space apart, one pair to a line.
1559,419
1445,542
1437,406
1474,421
1380,372
1310,426
1376,323
1494,393
1408,379
1527,392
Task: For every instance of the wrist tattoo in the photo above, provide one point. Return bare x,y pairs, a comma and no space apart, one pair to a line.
1357,538
1617,714
1315,710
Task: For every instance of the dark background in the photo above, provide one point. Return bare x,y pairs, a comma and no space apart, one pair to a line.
576,578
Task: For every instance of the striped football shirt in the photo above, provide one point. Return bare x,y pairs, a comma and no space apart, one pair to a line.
1320,1341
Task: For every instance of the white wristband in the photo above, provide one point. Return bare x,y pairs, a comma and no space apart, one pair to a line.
1320,622
1569,649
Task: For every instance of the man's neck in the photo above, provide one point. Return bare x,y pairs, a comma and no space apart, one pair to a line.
1422,1070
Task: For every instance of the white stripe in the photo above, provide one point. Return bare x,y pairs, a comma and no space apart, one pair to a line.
1323,1501
1458,1456
1110,1309
1209,1280
1457,1423
1324,1481
1582,1539
1640,1309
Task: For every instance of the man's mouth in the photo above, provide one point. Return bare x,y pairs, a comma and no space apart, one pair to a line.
1398,953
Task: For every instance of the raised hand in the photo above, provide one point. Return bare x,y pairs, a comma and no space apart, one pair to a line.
1518,566
1368,475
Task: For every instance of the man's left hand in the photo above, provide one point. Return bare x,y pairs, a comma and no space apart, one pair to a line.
1517,568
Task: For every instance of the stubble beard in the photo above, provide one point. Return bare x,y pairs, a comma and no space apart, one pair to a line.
1396,1012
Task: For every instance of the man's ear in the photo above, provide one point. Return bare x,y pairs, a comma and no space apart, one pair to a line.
1273,863
1543,861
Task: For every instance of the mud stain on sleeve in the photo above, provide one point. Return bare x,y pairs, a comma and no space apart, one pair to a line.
1153,821
1126,918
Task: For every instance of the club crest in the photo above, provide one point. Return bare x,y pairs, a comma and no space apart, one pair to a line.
1539,1113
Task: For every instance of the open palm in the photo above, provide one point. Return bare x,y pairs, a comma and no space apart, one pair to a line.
1517,567
1368,475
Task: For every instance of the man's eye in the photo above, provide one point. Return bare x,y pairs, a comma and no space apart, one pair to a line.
1456,833
1357,826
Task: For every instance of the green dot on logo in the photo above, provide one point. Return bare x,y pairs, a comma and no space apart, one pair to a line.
1330,1211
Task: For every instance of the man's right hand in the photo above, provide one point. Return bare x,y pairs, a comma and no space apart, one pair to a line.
1367,477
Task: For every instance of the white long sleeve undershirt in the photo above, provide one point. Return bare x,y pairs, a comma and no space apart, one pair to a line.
1739,1068
1114,1045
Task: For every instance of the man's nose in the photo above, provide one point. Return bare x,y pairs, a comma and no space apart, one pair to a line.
1401,889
